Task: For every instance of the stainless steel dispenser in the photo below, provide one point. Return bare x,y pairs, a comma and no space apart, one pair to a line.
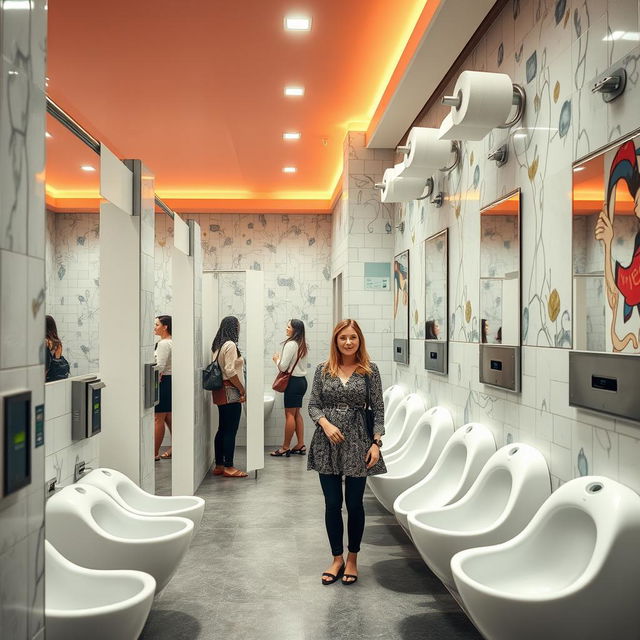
86,407
151,385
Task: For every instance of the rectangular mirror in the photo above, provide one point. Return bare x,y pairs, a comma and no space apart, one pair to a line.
500,298
72,250
436,329
606,249
401,308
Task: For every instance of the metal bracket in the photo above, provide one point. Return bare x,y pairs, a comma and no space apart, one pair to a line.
500,155
438,200
429,187
611,84
78,470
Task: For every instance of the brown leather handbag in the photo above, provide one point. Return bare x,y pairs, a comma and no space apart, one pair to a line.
282,379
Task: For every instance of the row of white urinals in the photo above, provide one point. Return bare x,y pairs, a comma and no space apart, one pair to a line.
110,547
523,562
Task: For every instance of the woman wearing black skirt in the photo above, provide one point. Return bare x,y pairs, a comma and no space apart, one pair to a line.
294,360
163,360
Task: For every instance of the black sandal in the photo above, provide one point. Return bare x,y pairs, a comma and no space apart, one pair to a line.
348,582
301,451
333,577
278,453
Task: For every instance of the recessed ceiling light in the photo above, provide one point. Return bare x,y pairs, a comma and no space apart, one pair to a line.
576,169
48,134
297,23
294,91
87,167
289,169
291,135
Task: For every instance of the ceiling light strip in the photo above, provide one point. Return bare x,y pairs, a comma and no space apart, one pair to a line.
80,132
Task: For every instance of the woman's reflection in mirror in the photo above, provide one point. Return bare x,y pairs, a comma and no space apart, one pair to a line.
432,330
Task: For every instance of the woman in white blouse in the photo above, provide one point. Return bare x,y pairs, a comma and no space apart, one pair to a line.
163,359
294,360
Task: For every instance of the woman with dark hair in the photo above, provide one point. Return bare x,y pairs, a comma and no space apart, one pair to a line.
432,330
164,346
230,397
294,360
56,365
342,388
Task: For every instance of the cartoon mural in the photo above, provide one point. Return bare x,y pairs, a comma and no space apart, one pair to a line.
622,257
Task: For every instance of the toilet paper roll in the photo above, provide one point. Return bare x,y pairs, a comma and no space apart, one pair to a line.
449,131
486,102
427,153
398,189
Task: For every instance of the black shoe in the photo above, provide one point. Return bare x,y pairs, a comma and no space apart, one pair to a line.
278,453
333,577
348,582
301,451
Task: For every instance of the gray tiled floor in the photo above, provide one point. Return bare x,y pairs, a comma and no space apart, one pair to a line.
253,570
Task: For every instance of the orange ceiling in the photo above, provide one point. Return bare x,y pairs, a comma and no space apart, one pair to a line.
195,89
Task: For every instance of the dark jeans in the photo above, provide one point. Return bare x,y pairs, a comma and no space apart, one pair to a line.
353,493
224,443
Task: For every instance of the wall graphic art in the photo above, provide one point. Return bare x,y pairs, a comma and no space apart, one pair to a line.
401,308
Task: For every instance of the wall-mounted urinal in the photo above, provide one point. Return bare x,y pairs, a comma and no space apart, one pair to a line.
392,397
87,603
500,503
130,496
269,401
459,464
89,528
573,572
415,458
404,418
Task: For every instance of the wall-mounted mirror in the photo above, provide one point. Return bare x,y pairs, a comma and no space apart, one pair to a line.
436,330
72,248
500,292
606,250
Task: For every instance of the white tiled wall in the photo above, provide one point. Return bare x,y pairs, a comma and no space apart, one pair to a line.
22,284
554,49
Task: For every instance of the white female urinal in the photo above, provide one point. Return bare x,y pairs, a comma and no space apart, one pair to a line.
269,401
101,605
459,464
392,397
573,572
500,503
89,528
415,458
131,497
399,425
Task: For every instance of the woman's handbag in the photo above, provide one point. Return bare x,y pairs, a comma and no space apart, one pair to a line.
212,376
282,379
369,417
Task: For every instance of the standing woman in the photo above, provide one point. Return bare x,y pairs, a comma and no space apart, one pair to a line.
341,444
56,365
230,397
294,360
164,347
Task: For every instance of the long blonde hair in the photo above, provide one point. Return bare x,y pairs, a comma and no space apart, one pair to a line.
335,357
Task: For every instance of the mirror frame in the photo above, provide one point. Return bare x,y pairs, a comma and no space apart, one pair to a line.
500,363
438,350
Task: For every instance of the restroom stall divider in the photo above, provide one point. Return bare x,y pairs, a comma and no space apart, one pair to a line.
254,356
254,293
191,434
127,222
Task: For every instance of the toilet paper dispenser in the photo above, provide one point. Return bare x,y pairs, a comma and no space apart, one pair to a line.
481,102
86,407
151,385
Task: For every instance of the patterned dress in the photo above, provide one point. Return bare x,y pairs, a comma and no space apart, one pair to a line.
342,405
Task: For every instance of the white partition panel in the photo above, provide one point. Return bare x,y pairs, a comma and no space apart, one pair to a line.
254,293
182,363
210,323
